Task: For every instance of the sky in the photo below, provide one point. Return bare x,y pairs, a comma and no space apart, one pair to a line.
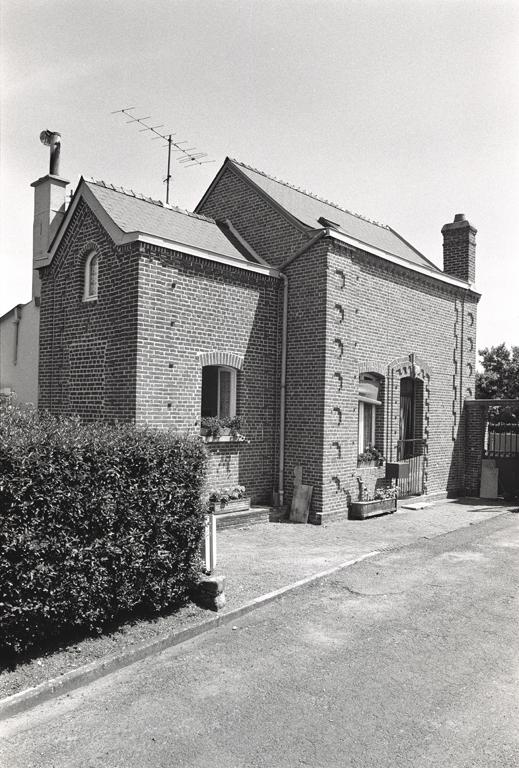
406,112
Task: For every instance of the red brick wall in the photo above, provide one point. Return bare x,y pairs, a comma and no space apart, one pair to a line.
351,313
268,231
88,349
390,313
305,382
189,306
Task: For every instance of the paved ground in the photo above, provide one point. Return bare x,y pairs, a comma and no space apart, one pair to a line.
257,560
407,660
262,558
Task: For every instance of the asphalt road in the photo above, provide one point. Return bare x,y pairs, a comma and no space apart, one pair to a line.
409,659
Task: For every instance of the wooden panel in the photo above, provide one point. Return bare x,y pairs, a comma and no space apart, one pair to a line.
301,503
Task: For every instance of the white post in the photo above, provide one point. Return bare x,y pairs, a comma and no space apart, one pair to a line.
210,543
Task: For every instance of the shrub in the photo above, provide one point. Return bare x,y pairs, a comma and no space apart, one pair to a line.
97,522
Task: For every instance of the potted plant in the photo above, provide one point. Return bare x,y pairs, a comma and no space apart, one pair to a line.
381,502
372,457
214,427
231,499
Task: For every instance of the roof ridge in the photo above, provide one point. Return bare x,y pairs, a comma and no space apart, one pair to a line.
309,194
146,199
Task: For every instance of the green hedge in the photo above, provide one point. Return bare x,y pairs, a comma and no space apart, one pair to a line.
97,523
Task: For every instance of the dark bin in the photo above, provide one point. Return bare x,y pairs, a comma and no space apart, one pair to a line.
397,470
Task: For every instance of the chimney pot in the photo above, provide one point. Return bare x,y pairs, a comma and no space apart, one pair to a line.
460,217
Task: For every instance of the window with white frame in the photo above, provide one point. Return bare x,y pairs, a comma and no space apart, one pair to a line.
369,405
218,391
90,277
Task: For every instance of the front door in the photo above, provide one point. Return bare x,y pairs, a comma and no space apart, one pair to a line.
411,443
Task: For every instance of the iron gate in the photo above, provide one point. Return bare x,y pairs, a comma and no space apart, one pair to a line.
412,453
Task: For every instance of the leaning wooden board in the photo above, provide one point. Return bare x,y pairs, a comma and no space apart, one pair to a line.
300,508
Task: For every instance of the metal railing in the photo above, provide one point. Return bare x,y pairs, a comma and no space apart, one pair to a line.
501,440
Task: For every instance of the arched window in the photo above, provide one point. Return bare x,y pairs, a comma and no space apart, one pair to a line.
91,277
218,391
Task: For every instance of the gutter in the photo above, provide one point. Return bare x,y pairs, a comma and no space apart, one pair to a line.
284,337
16,323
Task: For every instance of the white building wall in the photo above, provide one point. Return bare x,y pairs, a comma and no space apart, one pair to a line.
19,352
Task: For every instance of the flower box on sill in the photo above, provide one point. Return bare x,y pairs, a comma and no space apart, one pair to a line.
360,510
233,505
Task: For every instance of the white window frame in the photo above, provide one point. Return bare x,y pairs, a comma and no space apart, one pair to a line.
87,295
363,443
232,403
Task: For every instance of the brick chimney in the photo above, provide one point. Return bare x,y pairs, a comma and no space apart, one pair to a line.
459,249
49,207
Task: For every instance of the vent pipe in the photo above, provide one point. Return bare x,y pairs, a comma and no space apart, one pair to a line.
49,206
52,139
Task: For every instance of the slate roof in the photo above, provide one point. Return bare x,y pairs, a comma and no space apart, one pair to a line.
132,212
309,208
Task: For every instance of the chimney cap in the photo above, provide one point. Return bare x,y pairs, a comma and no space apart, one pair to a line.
47,138
460,222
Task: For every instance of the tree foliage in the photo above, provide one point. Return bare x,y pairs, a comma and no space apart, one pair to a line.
500,378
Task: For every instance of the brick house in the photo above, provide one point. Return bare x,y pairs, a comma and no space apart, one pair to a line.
325,332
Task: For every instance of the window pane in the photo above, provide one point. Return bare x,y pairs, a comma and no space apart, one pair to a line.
209,391
92,283
368,425
225,394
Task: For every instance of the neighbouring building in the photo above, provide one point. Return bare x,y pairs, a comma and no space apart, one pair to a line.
327,333
19,351
19,327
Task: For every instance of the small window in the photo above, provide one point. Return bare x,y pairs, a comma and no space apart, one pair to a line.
218,391
367,418
91,277
369,411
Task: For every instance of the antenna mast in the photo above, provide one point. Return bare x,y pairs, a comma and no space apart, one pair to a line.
189,155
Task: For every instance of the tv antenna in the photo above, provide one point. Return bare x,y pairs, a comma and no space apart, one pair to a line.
189,156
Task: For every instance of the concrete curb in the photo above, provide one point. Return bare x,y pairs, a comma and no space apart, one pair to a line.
31,697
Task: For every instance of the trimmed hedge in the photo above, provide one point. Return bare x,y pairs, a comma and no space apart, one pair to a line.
97,523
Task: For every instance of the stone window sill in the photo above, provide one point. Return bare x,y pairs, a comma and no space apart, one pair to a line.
224,439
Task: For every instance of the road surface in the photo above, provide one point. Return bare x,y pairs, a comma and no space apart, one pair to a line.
404,661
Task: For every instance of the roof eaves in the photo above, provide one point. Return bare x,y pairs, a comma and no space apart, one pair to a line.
201,253
400,261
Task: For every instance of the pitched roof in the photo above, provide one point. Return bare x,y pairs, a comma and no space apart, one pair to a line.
308,209
131,212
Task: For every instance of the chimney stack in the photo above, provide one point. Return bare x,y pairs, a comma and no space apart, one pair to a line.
459,249
49,206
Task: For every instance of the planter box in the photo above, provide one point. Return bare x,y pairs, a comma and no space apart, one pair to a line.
360,510
235,505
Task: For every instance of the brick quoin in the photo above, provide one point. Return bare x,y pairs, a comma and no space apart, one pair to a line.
136,353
